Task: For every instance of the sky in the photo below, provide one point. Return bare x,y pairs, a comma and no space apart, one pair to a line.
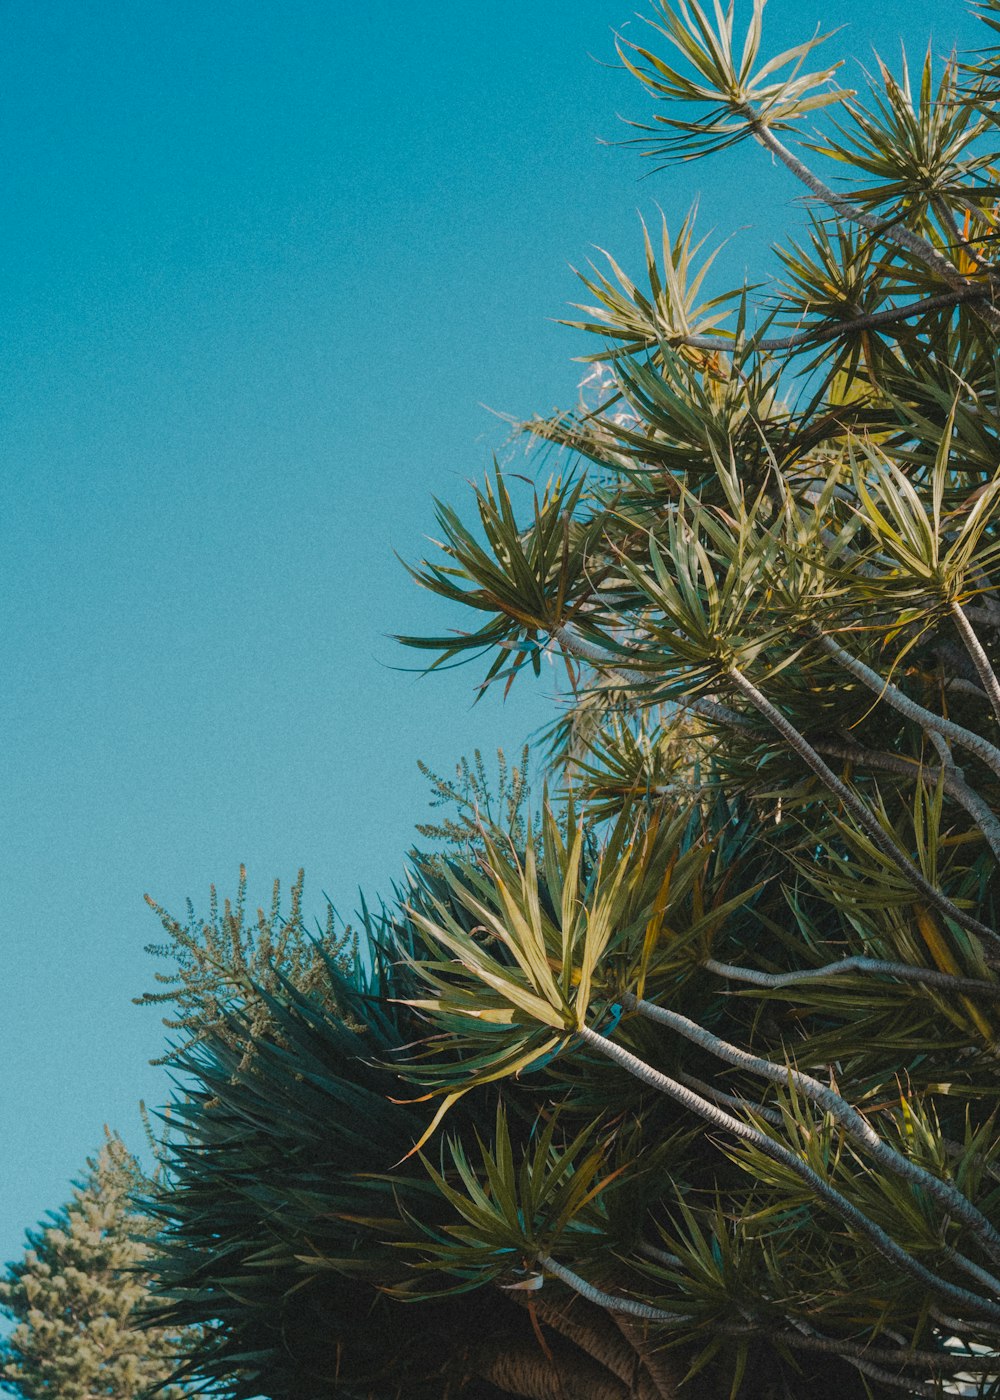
261,267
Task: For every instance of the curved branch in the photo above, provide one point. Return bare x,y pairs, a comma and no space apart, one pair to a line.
865,1364
861,814
963,687
982,662
607,1300
905,972
829,1195
870,1359
967,739
896,233
855,1125
759,1110
949,775
936,1360
954,784
701,705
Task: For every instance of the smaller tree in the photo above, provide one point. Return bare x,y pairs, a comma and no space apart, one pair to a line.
75,1297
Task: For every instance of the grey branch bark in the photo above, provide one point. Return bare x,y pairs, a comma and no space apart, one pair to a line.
861,814
702,705
607,1300
830,330
854,1124
982,662
708,1091
896,233
949,774
905,972
966,739
821,1189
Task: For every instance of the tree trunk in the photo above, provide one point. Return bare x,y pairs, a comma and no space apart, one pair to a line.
657,1365
523,1369
600,1335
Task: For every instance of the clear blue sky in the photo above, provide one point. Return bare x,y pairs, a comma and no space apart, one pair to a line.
262,264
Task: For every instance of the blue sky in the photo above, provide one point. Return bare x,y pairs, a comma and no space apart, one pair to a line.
262,266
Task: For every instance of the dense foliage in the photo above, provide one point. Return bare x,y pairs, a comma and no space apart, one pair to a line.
699,1071
76,1295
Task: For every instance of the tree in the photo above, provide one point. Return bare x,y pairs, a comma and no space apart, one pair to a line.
713,1045
76,1295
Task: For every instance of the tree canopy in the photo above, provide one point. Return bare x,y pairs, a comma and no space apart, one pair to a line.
77,1294
696,1072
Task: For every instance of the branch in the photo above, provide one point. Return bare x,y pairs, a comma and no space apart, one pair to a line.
593,1331
607,1300
844,1113
964,687
954,782
949,775
660,1256
938,1360
982,1276
967,739
896,233
966,245
862,1356
857,1357
883,1243
982,662
702,705
955,1326
759,1110
865,819
906,972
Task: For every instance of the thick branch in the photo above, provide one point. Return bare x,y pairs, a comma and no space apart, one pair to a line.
593,1331
861,814
949,775
768,1147
982,662
607,1300
843,1113
905,972
967,739
759,1110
